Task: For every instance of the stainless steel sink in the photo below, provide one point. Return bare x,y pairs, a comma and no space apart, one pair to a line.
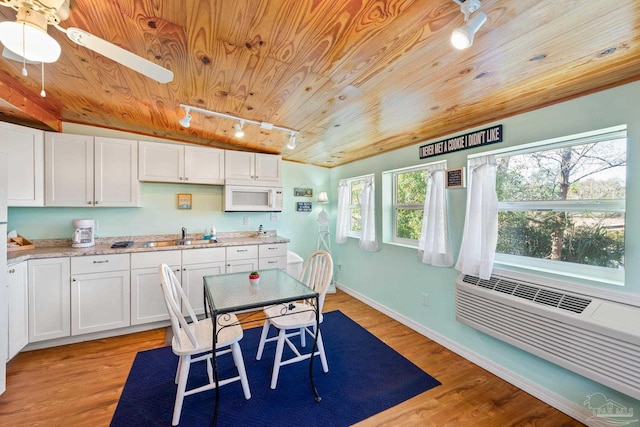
164,243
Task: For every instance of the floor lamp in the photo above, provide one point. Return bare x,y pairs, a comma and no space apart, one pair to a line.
324,236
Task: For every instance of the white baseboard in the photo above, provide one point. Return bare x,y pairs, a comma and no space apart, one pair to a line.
578,412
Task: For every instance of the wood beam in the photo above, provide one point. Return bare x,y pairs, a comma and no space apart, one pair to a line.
32,110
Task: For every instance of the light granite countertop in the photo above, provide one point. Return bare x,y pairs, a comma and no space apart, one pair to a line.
53,248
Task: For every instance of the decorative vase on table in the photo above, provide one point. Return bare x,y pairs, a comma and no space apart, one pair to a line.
254,277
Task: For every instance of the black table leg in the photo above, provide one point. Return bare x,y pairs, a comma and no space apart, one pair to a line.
314,389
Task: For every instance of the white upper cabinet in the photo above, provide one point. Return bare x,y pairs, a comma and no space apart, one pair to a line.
90,171
163,162
25,150
242,167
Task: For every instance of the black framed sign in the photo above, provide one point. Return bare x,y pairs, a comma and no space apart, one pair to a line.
303,206
469,140
455,178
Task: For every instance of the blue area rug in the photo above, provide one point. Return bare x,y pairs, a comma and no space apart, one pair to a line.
365,377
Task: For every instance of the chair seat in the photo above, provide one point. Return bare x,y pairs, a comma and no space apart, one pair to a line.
302,315
203,331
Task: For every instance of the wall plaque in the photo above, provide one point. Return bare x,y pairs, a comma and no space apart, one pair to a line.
470,140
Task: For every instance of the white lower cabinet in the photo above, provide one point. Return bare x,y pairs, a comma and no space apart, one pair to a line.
197,263
49,298
18,282
272,256
147,299
100,293
242,258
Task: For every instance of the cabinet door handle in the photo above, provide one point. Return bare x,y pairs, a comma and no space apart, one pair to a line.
186,178
89,202
96,202
101,262
12,271
241,250
272,262
74,279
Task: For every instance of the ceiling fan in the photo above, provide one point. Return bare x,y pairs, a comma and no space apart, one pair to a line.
26,38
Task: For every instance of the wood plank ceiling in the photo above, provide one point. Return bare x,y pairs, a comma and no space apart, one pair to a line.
354,77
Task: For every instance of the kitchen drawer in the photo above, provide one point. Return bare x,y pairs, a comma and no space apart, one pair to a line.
242,252
154,259
273,250
99,263
273,262
201,256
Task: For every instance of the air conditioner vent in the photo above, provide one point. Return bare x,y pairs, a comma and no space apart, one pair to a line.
529,292
488,284
526,292
506,287
548,297
573,303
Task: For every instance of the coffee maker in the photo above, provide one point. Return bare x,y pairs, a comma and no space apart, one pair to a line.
83,233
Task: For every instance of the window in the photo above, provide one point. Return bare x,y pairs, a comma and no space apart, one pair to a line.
562,205
408,187
355,187
355,207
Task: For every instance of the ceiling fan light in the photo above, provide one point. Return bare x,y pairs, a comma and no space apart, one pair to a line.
29,41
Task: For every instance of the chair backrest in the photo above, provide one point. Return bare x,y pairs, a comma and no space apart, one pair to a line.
174,296
317,273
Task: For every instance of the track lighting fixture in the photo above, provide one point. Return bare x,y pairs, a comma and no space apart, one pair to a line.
462,37
185,122
292,141
239,127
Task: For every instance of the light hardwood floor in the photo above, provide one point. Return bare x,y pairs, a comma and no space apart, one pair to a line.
79,384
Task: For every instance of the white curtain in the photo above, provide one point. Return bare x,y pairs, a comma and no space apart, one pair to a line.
433,244
367,208
342,220
478,247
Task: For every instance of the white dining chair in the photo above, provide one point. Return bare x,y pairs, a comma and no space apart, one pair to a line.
193,341
300,319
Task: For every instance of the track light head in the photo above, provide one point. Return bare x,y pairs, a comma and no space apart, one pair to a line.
239,129
185,122
292,142
462,37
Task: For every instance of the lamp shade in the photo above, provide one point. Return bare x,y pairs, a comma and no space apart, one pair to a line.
322,197
29,41
462,37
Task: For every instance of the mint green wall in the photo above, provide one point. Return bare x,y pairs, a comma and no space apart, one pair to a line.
395,278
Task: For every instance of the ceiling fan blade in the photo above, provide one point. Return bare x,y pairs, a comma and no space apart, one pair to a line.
116,53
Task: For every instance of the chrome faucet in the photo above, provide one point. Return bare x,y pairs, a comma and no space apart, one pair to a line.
184,233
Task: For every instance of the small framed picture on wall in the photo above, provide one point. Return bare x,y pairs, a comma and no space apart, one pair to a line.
184,201
455,178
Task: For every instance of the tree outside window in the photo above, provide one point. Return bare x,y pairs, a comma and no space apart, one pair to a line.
565,203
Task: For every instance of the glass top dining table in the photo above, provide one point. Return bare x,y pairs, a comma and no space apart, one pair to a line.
228,293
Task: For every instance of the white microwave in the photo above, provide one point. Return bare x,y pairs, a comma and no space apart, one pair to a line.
248,198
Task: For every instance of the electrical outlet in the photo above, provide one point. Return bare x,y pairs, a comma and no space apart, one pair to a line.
245,220
274,216
425,299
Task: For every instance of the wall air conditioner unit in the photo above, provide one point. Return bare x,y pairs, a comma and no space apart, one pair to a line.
596,338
